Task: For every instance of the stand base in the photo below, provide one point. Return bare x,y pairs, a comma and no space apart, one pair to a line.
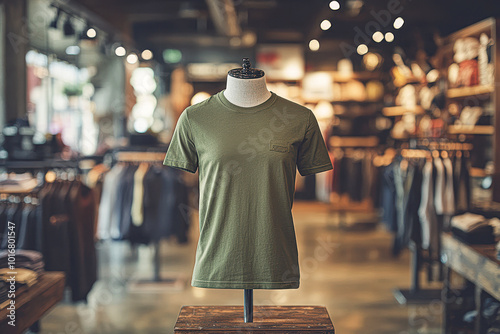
266,319
405,296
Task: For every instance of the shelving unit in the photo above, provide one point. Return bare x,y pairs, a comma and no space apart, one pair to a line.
460,92
400,111
479,95
476,263
471,129
370,141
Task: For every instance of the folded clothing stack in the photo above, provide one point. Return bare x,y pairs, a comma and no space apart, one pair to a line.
473,229
27,259
22,277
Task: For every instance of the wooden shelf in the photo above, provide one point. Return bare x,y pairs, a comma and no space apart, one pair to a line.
484,26
469,91
471,129
356,101
400,111
371,141
341,77
477,172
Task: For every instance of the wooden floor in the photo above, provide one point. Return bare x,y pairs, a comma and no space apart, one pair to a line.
350,272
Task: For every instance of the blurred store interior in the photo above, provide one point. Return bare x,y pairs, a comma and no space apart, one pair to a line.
400,237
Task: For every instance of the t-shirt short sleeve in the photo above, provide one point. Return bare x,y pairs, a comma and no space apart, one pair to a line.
312,154
181,151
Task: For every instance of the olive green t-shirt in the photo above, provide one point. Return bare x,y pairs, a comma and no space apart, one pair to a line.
247,160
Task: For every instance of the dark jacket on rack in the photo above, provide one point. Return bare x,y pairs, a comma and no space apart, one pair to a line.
68,234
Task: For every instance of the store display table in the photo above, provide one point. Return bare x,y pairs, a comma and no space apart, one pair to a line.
228,319
33,302
476,263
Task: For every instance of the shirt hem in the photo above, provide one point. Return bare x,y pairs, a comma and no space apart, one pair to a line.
316,169
244,285
180,165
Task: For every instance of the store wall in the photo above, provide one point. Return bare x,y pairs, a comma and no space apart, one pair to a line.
15,46
2,67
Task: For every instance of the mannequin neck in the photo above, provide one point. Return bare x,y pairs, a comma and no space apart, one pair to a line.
246,92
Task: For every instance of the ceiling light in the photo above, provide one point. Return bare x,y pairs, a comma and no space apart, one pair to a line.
120,51
398,22
314,45
334,5
147,54
389,36
325,25
55,21
91,33
132,58
68,28
88,32
73,50
362,49
378,36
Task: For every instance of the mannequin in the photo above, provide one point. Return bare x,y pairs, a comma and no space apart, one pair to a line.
246,92
249,143
246,88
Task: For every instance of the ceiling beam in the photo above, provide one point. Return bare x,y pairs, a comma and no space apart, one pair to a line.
224,17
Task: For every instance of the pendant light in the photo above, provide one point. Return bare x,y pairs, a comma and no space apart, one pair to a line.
68,28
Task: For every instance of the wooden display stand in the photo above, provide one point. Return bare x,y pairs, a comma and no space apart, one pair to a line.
33,302
266,319
476,263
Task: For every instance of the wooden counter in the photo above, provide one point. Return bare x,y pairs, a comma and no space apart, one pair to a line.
476,263
33,302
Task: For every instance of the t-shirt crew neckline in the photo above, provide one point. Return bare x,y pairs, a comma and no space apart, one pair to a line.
264,105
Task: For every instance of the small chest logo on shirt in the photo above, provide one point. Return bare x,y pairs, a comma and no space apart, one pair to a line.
278,147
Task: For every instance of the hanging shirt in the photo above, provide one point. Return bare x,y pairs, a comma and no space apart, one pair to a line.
426,211
137,210
449,195
108,202
247,160
439,189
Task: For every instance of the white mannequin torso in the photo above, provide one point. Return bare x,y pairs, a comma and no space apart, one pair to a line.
246,92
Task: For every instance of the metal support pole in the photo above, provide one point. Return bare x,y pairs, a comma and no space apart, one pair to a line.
157,277
415,266
248,305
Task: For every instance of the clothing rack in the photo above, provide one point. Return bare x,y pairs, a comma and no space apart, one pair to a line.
147,157
131,156
47,172
425,150
349,147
